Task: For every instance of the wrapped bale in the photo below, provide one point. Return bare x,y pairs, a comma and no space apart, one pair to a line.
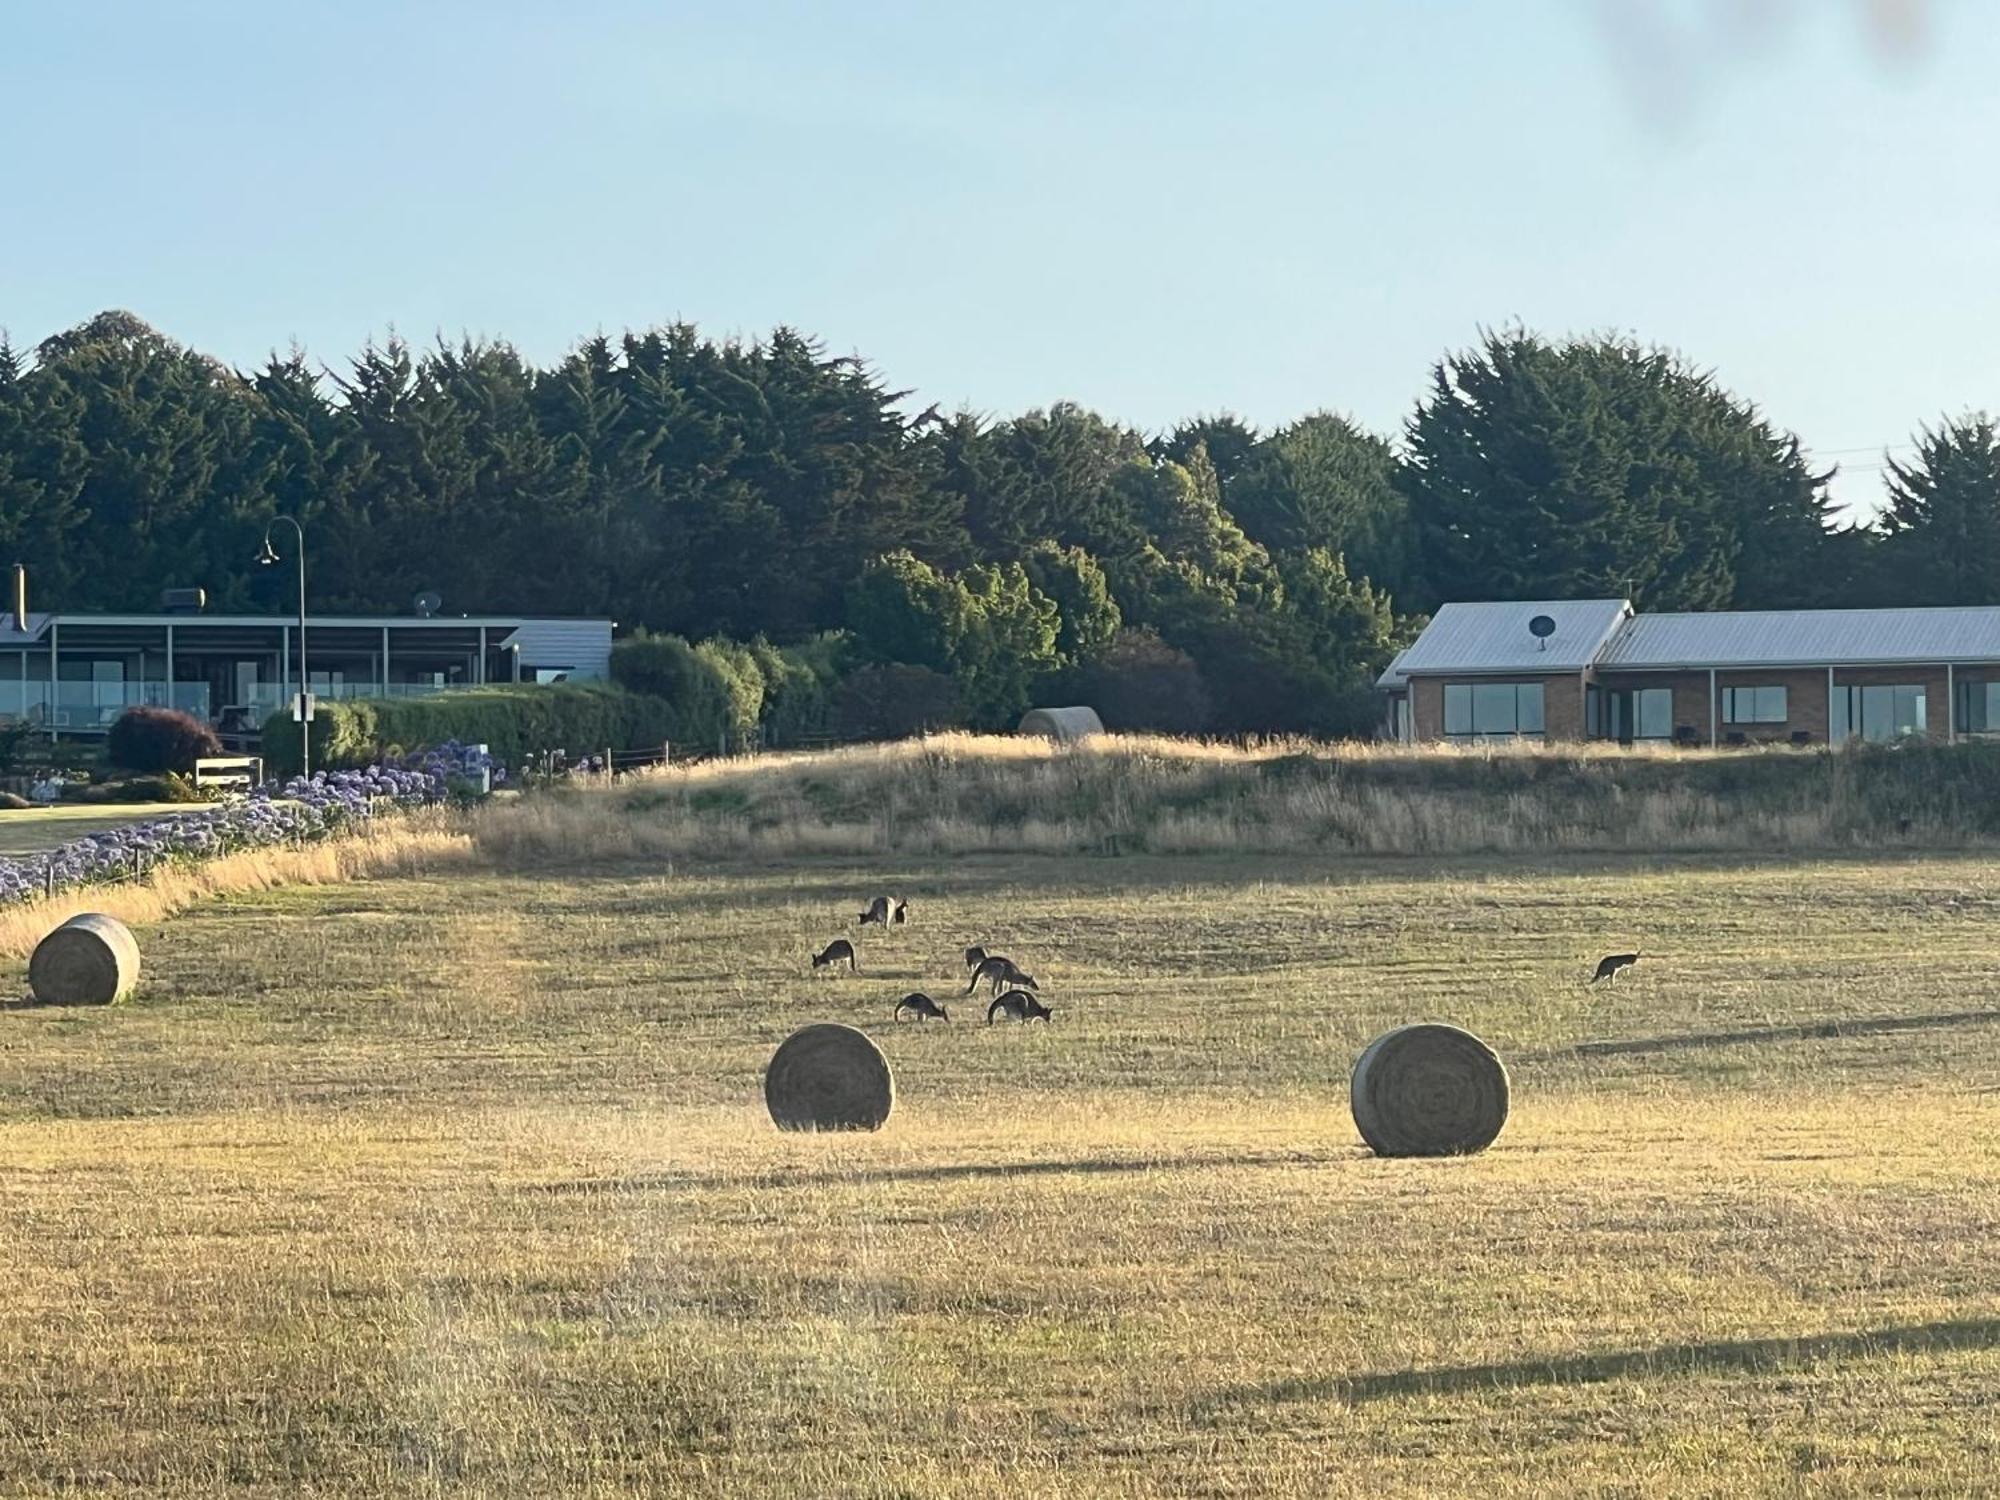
1063,725
1429,1090
91,959
829,1077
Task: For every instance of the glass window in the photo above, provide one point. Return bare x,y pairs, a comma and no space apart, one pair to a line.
1457,708
1978,706
1478,710
1653,714
1753,705
1880,712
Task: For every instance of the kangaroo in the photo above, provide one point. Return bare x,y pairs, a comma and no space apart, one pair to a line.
974,957
1611,963
878,913
900,913
922,1007
1019,1004
1001,971
836,950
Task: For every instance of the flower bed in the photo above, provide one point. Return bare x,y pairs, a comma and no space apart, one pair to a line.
276,813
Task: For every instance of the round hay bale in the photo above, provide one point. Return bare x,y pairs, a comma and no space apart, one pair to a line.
1429,1090
91,959
1063,725
829,1077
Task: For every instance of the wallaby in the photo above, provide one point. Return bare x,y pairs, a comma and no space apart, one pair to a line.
1002,972
878,913
836,950
1019,1004
922,1006
1611,963
974,957
900,913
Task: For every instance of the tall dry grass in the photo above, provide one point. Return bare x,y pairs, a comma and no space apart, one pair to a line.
393,846
956,794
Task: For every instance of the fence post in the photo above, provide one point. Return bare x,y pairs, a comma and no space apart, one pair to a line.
607,763
666,752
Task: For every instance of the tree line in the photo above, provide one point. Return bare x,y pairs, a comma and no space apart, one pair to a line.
1211,577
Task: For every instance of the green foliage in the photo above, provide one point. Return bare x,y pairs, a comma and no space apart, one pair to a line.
1323,482
1140,683
988,629
1088,617
799,683
1941,530
159,739
893,700
1598,468
735,668
516,721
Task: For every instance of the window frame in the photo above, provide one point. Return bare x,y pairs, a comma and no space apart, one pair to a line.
1758,693
1465,722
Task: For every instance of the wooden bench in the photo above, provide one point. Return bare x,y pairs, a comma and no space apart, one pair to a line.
229,773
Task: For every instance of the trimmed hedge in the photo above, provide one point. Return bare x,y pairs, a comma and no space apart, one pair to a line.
515,720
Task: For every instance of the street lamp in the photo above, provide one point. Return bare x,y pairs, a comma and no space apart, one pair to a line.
267,557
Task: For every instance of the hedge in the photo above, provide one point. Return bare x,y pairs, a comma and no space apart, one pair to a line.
516,721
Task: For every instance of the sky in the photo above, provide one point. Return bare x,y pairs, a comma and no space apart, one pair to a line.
1157,209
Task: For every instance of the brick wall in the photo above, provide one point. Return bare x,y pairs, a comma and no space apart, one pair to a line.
1562,703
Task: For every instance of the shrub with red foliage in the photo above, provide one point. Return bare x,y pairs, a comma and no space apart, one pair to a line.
159,739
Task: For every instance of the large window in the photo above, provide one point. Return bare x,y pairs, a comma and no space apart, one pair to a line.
1878,713
1492,710
1626,714
1753,705
1979,707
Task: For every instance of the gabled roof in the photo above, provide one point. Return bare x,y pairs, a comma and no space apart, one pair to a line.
1392,679
1494,638
1806,638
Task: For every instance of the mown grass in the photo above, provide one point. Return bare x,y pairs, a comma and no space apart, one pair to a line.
462,1184
31,830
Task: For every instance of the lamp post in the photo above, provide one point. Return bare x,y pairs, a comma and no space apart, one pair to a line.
267,557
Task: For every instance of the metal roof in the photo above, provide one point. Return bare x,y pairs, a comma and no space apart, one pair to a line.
1393,679
1494,638
1806,638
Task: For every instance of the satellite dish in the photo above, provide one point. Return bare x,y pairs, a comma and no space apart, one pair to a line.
428,604
1541,628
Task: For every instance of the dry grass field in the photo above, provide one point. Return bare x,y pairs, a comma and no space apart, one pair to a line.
462,1184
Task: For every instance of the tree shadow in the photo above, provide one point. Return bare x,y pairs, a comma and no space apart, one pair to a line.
1743,1355
956,1172
1801,1032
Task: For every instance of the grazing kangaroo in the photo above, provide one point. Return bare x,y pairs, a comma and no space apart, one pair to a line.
1002,972
900,913
922,1007
836,950
1611,963
1019,1004
878,913
974,957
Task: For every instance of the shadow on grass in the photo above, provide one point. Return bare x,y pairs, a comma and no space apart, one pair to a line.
1751,1356
1802,1032
958,1172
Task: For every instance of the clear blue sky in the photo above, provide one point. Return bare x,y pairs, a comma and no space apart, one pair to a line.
1157,209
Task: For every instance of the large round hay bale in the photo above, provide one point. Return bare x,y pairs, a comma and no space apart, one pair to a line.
829,1077
1063,725
91,959
1429,1090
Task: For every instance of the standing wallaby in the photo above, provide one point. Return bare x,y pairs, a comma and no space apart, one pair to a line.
878,913
921,1006
836,950
974,957
1002,972
1019,1004
900,913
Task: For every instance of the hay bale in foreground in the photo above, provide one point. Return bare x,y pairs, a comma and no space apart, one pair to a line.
829,1077
1429,1090
91,959
1063,725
